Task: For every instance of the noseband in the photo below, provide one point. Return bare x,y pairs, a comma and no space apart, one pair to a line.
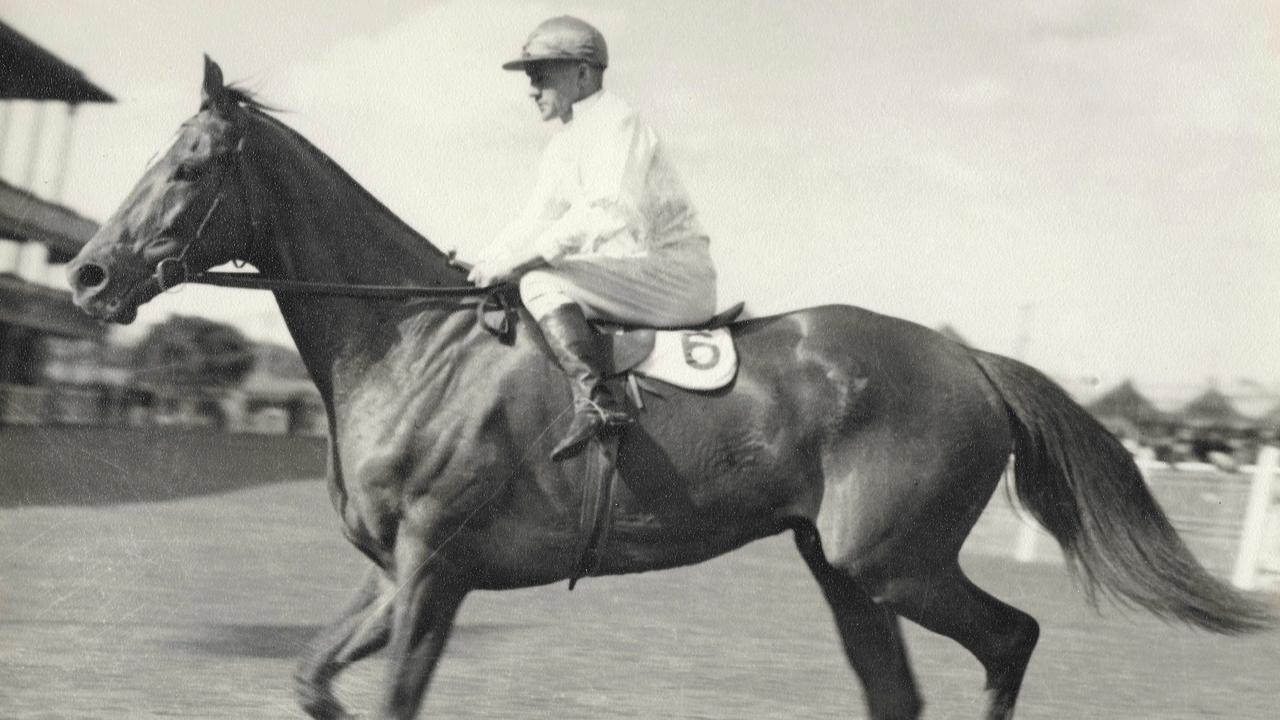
171,272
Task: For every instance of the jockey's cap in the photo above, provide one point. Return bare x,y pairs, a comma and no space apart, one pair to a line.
562,38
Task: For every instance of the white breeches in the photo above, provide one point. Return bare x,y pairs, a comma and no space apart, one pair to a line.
667,289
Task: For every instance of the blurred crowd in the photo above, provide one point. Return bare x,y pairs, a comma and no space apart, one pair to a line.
1226,449
1210,428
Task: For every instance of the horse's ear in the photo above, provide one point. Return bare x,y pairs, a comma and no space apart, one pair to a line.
212,92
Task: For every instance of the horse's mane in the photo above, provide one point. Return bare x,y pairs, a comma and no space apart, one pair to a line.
249,100
245,97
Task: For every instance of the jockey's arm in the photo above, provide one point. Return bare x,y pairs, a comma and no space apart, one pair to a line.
506,267
612,174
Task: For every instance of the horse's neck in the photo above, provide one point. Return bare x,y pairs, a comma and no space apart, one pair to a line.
320,226
327,228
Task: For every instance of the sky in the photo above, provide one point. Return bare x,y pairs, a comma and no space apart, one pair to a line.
1093,186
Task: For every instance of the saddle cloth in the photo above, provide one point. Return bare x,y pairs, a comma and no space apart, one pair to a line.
691,359
694,359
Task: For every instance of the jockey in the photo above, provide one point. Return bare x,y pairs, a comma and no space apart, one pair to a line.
610,232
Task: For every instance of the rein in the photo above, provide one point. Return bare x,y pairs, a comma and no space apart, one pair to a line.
171,272
497,298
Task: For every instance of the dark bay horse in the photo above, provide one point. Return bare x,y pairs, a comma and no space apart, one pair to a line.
876,441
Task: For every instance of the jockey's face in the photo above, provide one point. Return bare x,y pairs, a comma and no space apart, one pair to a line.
555,86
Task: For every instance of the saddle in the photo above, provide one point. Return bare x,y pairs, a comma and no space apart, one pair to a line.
700,357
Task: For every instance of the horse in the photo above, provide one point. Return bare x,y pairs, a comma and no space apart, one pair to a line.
875,441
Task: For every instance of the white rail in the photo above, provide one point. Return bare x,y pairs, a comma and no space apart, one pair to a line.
1256,515
1230,520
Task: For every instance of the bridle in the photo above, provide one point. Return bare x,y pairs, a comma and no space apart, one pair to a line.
174,271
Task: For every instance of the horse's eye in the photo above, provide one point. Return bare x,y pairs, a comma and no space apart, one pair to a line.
188,172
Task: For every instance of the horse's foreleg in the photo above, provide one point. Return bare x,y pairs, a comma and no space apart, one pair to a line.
1001,637
361,630
426,603
870,633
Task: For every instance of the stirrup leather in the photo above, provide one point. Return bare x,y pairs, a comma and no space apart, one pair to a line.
590,419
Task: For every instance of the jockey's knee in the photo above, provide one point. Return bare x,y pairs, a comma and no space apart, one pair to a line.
541,292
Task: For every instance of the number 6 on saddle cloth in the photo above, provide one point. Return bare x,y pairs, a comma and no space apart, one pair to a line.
702,358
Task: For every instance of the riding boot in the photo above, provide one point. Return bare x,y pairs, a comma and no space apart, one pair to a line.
595,408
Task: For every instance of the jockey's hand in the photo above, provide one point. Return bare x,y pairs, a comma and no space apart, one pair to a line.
487,273
505,268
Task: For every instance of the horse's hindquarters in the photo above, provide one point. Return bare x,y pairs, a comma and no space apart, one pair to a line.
884,435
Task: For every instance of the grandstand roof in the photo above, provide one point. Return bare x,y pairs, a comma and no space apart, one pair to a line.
1124,401
1212,408
33,73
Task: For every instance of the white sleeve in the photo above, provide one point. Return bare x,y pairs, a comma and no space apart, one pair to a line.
613,169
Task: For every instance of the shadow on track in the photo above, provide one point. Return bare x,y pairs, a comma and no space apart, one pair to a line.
283,642
94,466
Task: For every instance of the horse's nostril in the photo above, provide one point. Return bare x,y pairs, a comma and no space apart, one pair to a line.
91,276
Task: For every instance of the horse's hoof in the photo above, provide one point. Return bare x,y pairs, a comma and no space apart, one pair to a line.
325,709
320,705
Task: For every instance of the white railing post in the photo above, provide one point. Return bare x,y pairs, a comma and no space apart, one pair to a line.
1024,542
1245,574
1028,536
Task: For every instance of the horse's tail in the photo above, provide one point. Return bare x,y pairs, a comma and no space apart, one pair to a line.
1084,487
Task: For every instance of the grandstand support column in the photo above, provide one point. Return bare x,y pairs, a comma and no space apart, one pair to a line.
6,110
33,156
1245,574
64,154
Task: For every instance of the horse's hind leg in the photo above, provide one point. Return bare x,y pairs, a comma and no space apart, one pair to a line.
1001,637
361,630
870,633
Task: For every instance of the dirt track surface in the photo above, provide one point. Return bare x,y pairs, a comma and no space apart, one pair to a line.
198,608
